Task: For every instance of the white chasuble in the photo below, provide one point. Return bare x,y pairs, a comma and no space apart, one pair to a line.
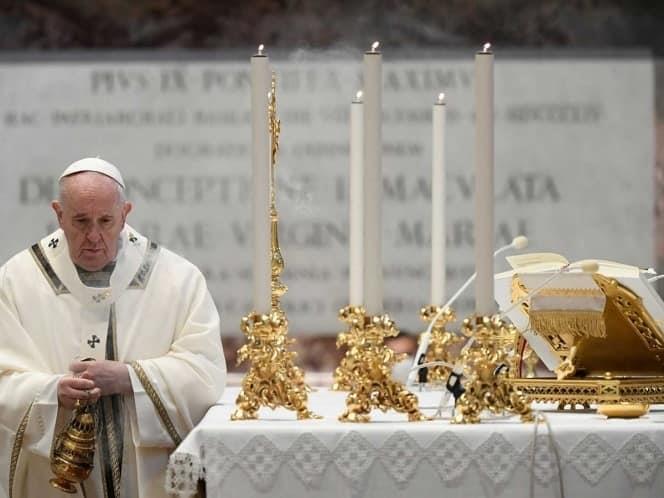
157,316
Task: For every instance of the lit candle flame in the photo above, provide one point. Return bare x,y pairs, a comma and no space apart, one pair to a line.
374,46
358,96
441,98
487,47
261,47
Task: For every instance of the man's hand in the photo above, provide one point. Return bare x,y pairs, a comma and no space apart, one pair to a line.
72,388
111,377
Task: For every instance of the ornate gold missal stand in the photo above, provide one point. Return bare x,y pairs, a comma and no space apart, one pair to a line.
368,368
485,365
74,450
441,342
273,379
614,358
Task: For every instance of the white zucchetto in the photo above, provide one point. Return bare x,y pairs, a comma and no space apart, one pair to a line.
94,164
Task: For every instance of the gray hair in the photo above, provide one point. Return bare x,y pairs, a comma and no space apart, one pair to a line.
63,188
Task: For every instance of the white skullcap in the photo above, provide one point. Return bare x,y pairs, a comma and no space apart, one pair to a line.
94,164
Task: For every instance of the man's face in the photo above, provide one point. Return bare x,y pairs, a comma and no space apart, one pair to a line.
92,214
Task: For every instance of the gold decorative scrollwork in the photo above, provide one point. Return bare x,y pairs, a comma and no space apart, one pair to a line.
580,391
368,370
632,308
486,385
441,342
273,379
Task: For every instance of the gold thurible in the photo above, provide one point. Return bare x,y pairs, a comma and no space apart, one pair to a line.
273,379
74,449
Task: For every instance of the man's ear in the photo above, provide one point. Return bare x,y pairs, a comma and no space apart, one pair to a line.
126,209
57,207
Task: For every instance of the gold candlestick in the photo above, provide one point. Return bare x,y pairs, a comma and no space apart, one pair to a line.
368,369
485,371
273,379
343,374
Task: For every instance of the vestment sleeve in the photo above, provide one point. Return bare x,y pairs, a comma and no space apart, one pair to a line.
28,393
173,392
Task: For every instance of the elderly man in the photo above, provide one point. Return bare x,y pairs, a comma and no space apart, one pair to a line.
98,290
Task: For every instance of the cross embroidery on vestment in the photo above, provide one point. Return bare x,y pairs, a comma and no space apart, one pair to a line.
94,340
53,243
98,298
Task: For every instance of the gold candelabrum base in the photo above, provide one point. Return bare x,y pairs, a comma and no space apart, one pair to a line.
343,374
441,342
72,458
485,365
367,370
273,379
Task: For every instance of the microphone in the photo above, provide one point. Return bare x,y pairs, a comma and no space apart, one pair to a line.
453,386
519,242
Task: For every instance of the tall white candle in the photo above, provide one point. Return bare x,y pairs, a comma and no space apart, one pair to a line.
373,181
356,204
438,203
260,159
484,200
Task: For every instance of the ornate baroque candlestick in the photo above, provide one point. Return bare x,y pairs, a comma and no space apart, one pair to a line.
489,353
441,341
356,265
368,368
485,365
273,379
74,450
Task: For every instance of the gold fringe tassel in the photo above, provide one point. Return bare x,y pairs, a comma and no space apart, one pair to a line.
577,323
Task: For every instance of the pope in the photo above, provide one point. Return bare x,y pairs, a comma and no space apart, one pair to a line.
140,316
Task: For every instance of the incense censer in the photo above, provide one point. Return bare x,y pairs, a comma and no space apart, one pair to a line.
74,450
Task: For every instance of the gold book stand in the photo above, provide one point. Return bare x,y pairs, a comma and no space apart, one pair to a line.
609,354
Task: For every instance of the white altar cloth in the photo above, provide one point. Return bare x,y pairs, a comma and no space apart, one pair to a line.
278,456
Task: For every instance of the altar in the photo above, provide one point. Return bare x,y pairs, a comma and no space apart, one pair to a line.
279,456
503,446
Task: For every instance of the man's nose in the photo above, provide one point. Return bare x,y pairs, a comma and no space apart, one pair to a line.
94,234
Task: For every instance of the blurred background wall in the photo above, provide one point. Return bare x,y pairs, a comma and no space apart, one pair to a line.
606,54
